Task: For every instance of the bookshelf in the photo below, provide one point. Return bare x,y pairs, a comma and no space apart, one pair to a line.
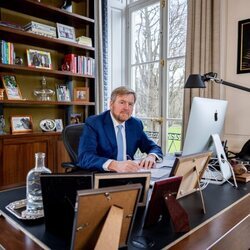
17,150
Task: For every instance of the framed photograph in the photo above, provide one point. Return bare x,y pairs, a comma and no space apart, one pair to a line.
75,118
81,94
59,125
39,59
243,63
118,179
21,124
11,87
66,32
63,93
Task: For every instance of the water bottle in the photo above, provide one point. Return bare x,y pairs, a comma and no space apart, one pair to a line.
33,189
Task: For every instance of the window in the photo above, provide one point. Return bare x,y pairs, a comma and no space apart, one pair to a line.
156,66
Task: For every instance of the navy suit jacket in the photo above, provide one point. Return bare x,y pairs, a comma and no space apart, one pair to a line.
98,141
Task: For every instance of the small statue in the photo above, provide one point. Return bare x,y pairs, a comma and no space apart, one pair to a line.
2,125
67,5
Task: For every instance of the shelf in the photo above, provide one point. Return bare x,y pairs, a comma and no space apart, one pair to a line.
44,72
19,36
31,134
38,9
44,103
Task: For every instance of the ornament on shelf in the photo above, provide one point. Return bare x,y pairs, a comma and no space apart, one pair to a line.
44,94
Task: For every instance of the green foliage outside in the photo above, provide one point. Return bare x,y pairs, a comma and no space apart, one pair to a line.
174,145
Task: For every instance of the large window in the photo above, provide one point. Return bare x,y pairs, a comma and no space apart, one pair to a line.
156,64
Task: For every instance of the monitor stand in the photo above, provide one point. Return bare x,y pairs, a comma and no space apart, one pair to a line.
223,175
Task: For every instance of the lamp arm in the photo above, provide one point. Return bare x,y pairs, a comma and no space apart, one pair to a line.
235,86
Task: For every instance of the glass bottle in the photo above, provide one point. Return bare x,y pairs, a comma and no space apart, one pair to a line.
33,189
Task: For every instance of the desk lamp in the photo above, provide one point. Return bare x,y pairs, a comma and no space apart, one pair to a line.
198,81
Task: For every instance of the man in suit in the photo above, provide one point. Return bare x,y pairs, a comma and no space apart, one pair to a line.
98,147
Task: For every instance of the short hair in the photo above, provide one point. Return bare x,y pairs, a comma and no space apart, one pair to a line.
122,91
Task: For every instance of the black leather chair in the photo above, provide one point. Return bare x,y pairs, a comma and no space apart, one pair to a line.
71,136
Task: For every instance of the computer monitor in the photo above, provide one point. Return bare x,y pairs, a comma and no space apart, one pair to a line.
206,118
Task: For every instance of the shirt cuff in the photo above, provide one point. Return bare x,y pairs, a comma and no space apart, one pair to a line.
158,159
106,164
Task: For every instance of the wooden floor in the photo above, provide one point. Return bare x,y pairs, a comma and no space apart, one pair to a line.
228,229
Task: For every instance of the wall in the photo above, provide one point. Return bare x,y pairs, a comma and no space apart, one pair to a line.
237,126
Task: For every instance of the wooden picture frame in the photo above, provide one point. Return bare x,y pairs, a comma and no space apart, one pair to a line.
81,94
63,93
21,124
102,180
65,32
95,209
39,59
11,87
191,168
243,62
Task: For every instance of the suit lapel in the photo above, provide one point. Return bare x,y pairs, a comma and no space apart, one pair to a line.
109,130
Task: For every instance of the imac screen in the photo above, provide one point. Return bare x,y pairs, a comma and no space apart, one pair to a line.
206,118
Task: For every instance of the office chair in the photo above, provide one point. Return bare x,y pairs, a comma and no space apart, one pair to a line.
71,136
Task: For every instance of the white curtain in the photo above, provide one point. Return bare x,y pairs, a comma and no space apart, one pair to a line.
203,48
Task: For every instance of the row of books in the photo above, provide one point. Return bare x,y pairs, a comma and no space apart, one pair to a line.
7,54
79,64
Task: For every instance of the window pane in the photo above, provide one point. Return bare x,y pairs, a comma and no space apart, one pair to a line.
176,71
145,81
177,27
145,34
174,136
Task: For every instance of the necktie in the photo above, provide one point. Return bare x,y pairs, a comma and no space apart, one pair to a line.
119,143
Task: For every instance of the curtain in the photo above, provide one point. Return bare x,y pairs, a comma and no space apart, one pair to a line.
203,49
101,57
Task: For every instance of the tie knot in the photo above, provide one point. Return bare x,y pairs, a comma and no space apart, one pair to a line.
120,127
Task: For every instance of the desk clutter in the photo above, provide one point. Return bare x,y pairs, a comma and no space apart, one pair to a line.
83,208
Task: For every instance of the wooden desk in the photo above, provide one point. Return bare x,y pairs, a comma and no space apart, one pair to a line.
228,229
217,199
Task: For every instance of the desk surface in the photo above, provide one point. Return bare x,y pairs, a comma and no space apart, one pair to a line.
216,199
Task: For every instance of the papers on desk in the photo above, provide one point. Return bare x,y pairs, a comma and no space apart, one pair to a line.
157,173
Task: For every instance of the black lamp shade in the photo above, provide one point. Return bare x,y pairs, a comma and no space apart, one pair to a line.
195,81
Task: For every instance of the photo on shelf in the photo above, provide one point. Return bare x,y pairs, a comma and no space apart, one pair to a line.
11,87
81,94
59,125
75,118
39,59
63,93
21,124
66,32
47,125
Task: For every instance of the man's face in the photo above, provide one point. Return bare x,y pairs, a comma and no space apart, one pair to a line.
122,107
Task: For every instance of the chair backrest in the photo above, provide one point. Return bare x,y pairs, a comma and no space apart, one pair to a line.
71,137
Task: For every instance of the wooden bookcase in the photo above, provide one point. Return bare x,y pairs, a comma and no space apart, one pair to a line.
17,150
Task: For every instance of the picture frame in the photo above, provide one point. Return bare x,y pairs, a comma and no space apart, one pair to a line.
75,118
63,93
243,60
21,124
59,125
39,59
65,32
191,168
81,94
11,87
102,180
102,221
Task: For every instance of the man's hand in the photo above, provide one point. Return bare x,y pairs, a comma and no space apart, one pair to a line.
148,162
124,166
